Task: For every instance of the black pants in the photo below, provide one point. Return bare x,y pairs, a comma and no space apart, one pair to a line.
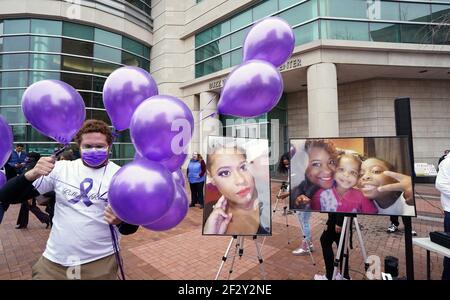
197,193
22,219
446,272
394,220
327,239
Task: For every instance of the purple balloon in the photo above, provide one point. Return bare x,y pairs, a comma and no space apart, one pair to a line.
124,90
175,162
2,179
172,164
175,214
6,141
141,192
178,178
252,89
161,127
55,109
271,39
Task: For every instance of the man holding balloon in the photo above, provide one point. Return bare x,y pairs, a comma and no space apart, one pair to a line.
80,243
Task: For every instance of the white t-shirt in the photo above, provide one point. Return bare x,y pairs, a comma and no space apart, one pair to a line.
79,234
443,182
399,208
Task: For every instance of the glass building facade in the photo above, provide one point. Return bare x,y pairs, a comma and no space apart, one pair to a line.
143,5
423,22
80,55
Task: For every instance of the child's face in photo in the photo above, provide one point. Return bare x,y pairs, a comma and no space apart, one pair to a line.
321,167
231,176
372,177
347,173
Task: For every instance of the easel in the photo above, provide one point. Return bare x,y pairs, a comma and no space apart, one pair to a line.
285,188
344,244
239,250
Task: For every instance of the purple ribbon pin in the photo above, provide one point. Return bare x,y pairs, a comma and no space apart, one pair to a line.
84,193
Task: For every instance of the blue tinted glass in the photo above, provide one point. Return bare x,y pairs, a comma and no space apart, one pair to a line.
385,32
203,37
132,46
107,53
300,13
38,76
344,30
383,10
306,33
45,44
11,97
415,12
237,38
108,38
14,61
14,79
16,43
46,27
45,61
440,13
236,57
241,20
264,9
78,31
285,3
16,26
343,8
417,34
12,114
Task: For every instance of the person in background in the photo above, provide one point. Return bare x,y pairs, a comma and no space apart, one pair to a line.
443,185
304,217
10,172
17,159
446,152
30,204
196,172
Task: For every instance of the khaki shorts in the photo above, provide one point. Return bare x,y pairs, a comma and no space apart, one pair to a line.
102,269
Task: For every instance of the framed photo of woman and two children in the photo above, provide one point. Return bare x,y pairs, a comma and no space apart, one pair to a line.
367,175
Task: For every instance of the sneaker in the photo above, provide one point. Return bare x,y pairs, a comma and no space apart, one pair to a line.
340,277
392,229
320,277
414,233
311,246
303,249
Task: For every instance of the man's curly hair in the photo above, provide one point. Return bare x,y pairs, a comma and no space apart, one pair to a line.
91,126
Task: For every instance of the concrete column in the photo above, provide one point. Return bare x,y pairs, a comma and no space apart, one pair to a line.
323,117
209,123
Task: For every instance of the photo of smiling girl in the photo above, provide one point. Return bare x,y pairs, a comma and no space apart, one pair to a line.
344,195
237,200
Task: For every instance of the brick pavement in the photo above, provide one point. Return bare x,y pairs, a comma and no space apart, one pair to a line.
183,253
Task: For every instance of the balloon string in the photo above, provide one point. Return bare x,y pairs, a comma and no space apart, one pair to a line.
208,116
212,98
116,252
115,134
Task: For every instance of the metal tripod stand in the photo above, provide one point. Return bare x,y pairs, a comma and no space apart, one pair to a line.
344,243
239,250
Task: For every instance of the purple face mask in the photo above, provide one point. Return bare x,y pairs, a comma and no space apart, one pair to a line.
94,157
